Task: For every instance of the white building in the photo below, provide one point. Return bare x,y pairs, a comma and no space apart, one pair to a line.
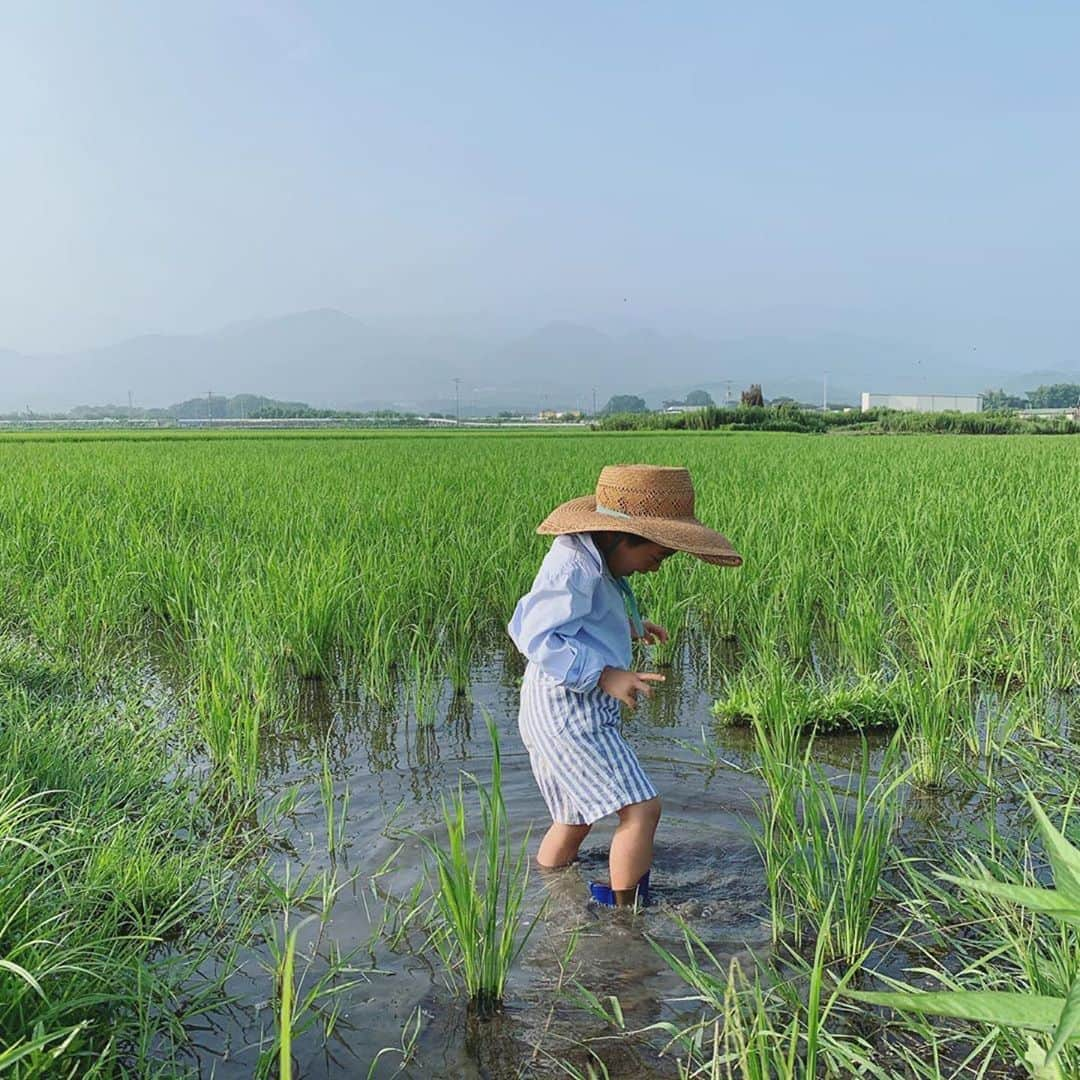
965,403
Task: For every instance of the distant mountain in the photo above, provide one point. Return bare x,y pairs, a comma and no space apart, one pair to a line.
323,356
333,359
198,408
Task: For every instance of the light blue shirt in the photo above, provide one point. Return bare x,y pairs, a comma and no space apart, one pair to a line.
573,623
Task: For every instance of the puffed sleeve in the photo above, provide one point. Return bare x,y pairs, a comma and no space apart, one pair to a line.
546,621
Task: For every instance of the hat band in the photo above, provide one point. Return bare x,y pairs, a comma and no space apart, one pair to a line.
600,509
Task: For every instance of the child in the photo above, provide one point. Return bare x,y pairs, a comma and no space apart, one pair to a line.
574,627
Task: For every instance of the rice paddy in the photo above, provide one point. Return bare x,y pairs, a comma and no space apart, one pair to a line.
238,674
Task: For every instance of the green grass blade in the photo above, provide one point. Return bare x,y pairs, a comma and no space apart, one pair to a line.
1031,1011
1069,1021
1051,902
1064,858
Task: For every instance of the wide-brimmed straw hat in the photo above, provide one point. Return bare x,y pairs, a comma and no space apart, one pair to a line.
653,501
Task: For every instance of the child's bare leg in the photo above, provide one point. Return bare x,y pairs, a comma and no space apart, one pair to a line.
560,844
632,845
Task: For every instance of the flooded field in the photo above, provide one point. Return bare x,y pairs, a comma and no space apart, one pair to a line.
243,681
389,771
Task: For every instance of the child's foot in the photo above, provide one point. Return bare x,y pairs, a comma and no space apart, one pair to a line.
636,897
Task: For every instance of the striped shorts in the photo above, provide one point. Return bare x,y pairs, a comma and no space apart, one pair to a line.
585,768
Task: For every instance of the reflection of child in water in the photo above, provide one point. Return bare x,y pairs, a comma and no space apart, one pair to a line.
575,627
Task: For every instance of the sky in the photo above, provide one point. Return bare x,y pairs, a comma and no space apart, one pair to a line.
907,172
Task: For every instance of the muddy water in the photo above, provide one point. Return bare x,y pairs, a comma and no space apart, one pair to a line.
393,771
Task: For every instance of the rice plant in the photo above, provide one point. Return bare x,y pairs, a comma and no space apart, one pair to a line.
824,850
405,1051
335,807
252,562
312,979
1055,1016
102,862
480,925
934,712
757,1029
886,581
857,704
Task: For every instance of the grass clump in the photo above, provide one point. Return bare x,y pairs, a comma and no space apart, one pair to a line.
109,898
824,848
760,1028
1035,924
856,705
479,925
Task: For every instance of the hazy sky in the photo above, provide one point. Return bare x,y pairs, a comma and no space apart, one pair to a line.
908,171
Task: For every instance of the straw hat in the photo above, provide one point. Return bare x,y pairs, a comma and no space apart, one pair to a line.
652,501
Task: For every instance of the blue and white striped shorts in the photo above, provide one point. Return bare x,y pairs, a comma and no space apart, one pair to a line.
585,768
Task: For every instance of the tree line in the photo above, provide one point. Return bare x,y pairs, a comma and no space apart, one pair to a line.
1055,396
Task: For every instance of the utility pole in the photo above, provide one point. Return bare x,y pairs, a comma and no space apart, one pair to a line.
130,410
594,401
457,400
824,391
209,405
727,392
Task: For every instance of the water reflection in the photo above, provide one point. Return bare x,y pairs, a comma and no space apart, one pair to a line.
394,763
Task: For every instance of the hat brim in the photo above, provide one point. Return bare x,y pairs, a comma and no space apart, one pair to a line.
682,534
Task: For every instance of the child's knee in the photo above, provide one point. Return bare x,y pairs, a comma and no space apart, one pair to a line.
560,844
645,814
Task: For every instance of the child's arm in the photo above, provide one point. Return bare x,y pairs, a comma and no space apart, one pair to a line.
545,622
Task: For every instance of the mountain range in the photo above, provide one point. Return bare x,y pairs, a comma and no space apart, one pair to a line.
336,360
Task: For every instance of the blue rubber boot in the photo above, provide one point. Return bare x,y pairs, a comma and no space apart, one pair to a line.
606,896
602,894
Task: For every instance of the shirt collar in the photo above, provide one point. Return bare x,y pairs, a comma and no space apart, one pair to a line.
587,542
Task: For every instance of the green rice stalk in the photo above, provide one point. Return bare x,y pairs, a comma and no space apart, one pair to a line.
1057,1016
480,925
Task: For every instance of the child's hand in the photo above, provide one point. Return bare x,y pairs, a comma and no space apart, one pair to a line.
628,686
654,633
